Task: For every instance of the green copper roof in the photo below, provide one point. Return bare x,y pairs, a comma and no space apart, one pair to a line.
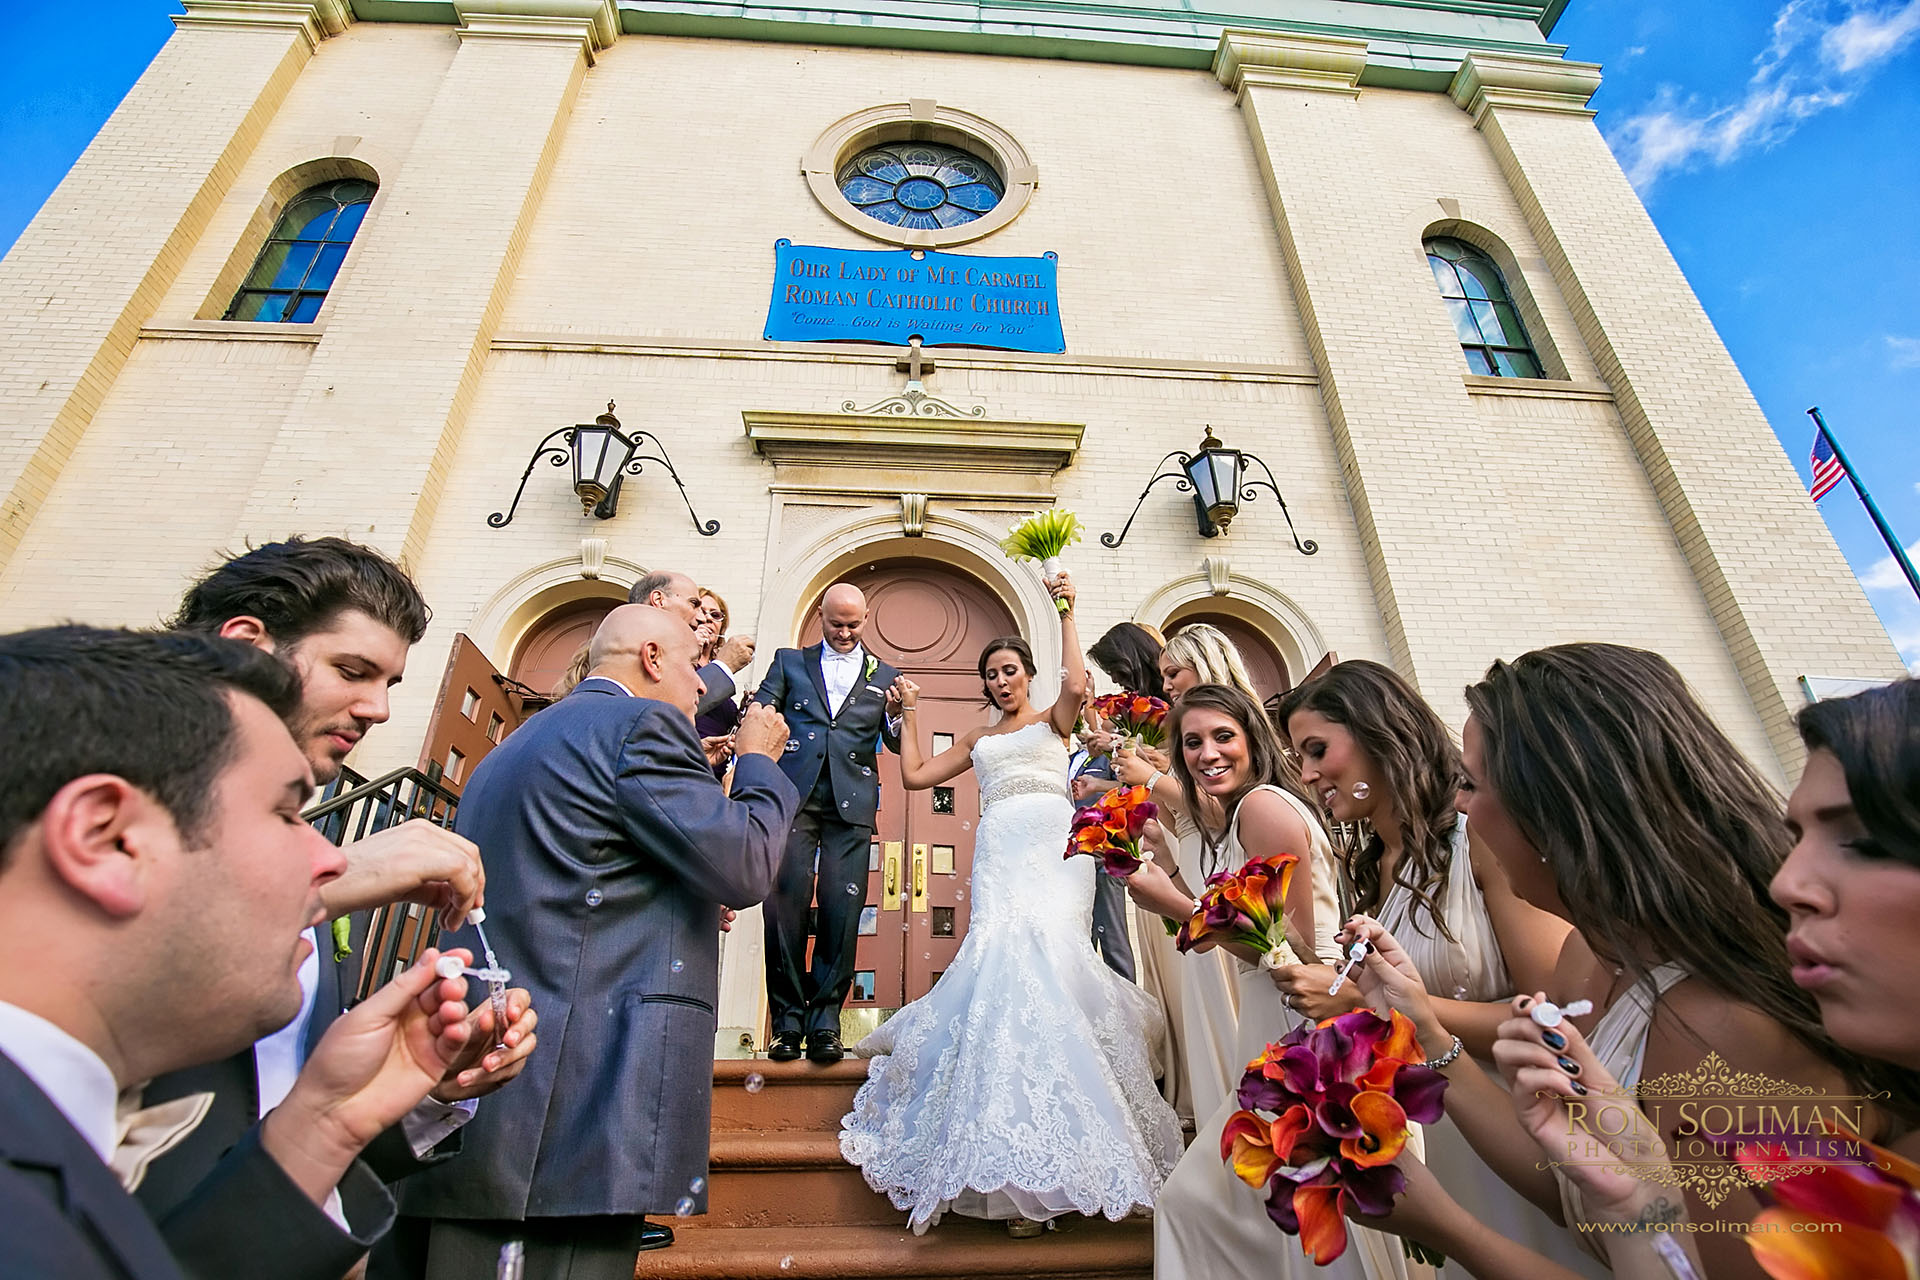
1410,43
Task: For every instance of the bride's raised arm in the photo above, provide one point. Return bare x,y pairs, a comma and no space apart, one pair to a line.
917,772
1073,679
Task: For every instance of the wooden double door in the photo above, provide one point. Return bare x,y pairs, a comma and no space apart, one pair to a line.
931,622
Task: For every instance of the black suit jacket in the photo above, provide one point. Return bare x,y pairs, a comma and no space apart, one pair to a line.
234,1083
63,1214
610,849
845,744
196,1212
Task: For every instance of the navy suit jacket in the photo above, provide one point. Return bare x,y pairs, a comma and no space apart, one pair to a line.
63,1214
846,744
610,848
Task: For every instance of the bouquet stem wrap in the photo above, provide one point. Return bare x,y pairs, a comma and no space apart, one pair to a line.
1042,537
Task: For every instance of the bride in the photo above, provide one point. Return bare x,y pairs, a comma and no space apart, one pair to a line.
1019,1088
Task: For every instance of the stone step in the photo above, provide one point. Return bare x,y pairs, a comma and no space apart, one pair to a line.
754,1095
788,1179
957,1249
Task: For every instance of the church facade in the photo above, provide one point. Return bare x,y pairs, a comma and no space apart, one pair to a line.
343,267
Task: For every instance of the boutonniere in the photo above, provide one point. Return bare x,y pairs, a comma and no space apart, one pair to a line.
873,665
342,948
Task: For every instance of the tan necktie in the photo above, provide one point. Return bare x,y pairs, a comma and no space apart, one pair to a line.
147,1133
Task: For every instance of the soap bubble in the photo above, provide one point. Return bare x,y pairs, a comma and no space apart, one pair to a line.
697,1185
966,826
1361,791
755,1082
683,1207
677,965
852,889
1459,993
786,1263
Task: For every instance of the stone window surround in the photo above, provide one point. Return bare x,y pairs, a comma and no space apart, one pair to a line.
919,120
279,193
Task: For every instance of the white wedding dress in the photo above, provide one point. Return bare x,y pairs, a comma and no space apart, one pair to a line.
1020,1086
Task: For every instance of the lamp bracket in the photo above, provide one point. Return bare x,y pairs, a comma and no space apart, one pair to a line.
554,453
1248,491
559,453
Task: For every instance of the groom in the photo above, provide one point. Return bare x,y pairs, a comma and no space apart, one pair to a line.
838,706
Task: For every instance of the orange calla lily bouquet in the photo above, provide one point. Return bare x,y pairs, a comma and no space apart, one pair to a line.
1249,907
1111,827
1874,1198
1342,1095
1135,717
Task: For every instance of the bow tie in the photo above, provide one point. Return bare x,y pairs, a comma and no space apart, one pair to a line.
147,1133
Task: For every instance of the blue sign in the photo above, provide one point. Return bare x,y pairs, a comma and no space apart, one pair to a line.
944,299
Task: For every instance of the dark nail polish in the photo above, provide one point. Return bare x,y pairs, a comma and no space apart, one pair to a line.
1578,1087
1525,1003
1569,1066
1554,1040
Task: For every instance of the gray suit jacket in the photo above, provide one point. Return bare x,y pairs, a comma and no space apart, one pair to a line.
610,848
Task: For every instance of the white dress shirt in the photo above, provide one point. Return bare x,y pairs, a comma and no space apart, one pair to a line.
73,1077
277,1060
841,671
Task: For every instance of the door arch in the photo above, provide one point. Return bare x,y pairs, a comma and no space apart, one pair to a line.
930,620
544,652
1266,667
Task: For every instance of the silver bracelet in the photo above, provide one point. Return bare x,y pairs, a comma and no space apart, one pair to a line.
1445,1059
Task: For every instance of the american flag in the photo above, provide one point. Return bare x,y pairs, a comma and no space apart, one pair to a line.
1827,471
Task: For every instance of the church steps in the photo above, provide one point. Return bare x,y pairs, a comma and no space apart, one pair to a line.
957,1249
783,1205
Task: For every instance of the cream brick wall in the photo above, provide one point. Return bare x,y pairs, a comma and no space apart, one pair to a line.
1782,594
549,236
655,227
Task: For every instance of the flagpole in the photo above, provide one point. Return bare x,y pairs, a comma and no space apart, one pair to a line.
1866,500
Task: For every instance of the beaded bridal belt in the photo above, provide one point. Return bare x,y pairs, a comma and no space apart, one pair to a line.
1011,787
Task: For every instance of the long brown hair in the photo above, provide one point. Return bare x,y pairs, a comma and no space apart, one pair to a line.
1265,758
1416,755
1660,836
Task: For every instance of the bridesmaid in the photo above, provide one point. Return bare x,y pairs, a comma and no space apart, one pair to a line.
1228,762
1374,753
1200,991
1576,756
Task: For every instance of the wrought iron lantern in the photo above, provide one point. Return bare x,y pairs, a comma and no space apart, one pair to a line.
1216,476
603,456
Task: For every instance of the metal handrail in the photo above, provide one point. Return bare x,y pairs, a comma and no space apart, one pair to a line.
397,933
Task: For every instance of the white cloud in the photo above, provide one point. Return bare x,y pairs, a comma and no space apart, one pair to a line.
1903,353
1818,53
1867,37
1885,575
1906,638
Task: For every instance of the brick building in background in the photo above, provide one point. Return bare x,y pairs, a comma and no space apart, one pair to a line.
527,208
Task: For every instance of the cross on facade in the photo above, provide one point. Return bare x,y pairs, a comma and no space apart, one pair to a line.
915,363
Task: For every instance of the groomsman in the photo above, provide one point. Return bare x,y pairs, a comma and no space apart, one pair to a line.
155,880
838,703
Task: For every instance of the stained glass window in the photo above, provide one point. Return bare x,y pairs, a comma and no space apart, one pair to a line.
1475,295
297,265
920,185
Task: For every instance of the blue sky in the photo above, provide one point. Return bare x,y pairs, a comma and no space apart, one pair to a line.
1772,140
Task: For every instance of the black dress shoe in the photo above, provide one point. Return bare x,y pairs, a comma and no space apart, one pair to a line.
824,1047
785,1047
654,1236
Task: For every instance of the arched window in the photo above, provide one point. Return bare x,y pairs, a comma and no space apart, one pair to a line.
1484,317
297,265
